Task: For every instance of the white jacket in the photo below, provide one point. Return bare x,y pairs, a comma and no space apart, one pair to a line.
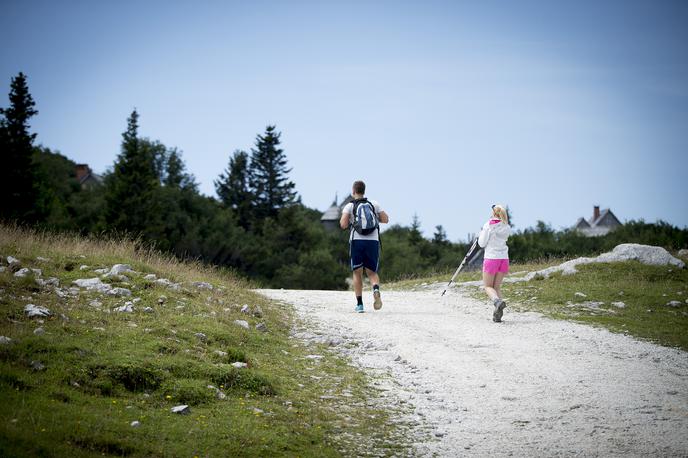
493,238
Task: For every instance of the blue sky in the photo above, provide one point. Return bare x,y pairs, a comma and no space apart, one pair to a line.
443,108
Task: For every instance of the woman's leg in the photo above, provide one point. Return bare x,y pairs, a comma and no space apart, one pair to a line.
488,286
499,276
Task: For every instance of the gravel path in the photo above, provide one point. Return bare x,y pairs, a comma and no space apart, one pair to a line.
529,386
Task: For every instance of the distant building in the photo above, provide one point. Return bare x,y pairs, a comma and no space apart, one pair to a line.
601,223
330,219
86,177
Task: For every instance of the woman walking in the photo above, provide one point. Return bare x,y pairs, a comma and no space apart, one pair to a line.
493,238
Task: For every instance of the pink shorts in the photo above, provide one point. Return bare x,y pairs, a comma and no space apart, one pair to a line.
492,266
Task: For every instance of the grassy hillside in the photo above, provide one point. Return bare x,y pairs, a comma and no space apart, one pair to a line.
627,297
73,383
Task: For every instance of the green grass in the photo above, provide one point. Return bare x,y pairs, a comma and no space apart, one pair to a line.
104,370
644,290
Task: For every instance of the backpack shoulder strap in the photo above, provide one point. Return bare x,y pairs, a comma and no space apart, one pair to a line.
356,203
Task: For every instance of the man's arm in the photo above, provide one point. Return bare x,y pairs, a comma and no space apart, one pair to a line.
344,221
383,217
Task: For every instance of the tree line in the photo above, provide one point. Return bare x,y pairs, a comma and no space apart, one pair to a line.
256,225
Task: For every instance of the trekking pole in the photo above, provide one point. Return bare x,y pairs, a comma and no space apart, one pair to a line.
475,244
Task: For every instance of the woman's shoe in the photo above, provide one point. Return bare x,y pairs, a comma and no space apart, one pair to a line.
500,305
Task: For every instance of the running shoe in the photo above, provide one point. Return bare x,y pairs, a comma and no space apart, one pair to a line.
359,308
377,305
500,305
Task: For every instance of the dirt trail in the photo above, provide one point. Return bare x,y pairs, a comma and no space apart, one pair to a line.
529,386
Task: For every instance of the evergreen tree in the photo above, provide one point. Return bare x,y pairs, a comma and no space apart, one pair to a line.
130,196
175,174
440,236
232,187
415,235
269,182
17,188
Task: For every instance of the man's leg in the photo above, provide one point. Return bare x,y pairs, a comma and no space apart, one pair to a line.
375,281
358,282
357,268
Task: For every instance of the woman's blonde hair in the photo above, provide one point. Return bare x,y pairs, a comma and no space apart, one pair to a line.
499,211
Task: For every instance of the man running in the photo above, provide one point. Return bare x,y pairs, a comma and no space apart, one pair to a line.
364,216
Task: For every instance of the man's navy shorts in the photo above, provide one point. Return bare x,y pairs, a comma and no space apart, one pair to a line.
365,253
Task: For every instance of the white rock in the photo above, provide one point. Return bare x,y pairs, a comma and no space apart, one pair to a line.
119,269
619,304
202,337
202,285
12,260
83,267
4,340
165,282
221,353
42,259
126,308
23,272
95,303
98,329
182,409
313,356
651,255
33,310
262,327
683,253
2,269
52,281
150,277
121,292
162,299
135,424
245,309
93,284
239,365
148,310
115,277
39,331
37,365
674,304
578,293
242,323
100,271
220,395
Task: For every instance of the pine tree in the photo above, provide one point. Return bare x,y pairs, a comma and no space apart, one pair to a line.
18,187
131,186
269,182
175,174
415,235
440,236
233,187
